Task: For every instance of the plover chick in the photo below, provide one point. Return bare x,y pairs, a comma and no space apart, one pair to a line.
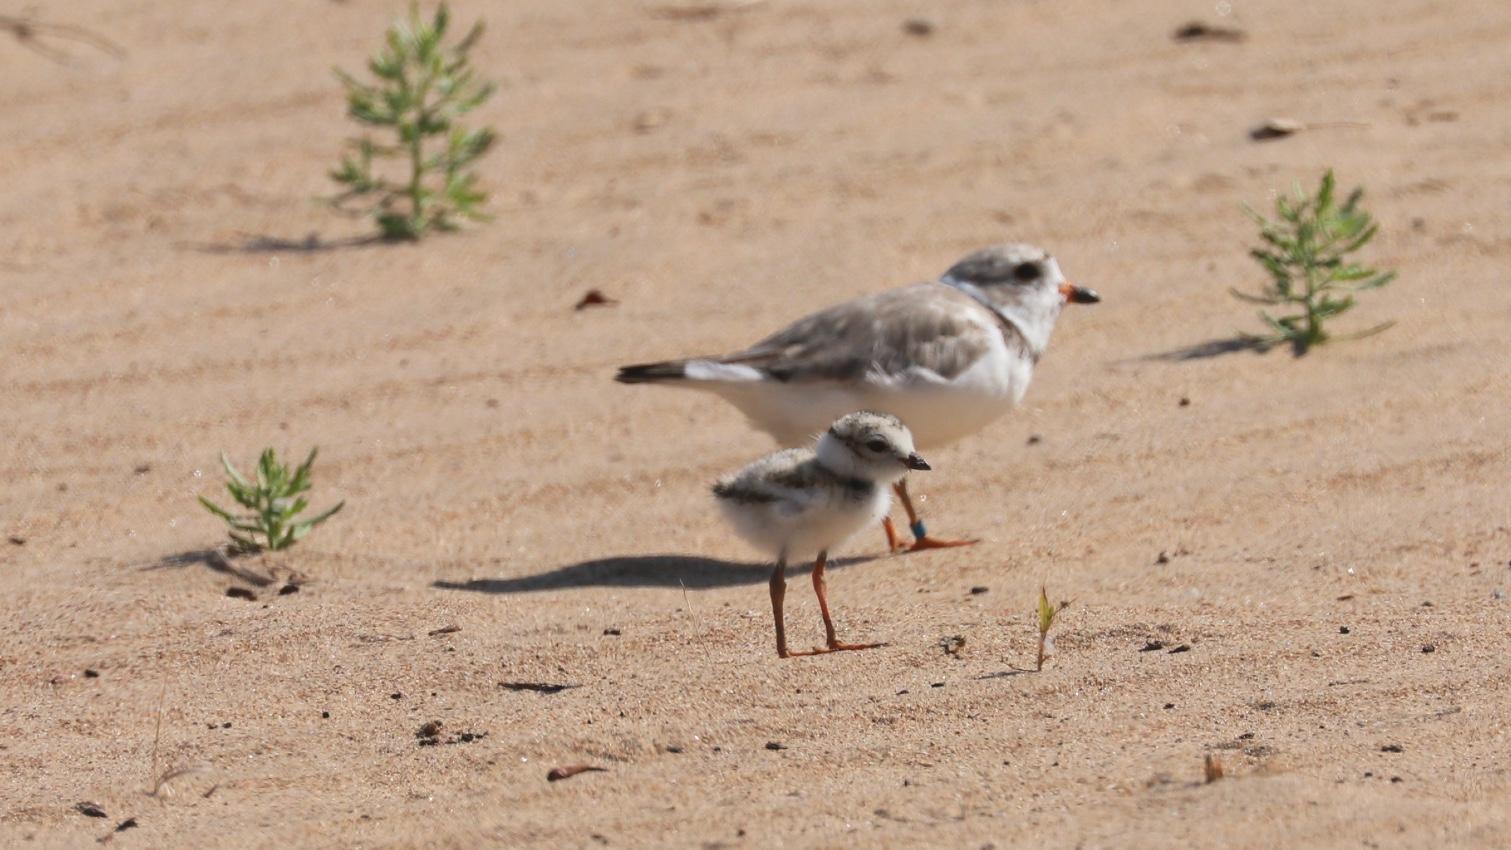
947,357
800,503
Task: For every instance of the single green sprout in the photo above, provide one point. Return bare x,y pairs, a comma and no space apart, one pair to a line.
1047,614
273,503
422,88
1306,253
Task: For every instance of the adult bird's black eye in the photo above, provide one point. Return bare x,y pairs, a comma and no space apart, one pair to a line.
1026,272
877,445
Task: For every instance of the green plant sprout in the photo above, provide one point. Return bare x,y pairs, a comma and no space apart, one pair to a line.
273,504
422,88
1047,614
1306,254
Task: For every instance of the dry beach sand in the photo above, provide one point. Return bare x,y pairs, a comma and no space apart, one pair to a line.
1304,529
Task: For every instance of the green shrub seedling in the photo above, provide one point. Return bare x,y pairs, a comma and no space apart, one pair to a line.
273,503
422,87
1047,614
1306,253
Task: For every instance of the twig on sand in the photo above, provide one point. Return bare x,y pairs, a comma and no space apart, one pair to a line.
157,737
159,778
703,11
29,32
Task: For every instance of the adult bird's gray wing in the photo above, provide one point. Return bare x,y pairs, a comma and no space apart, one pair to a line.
927,326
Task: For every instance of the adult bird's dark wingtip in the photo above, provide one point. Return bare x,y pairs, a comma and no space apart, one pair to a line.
648,373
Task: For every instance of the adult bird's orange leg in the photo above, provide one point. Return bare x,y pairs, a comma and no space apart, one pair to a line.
921,538
778,593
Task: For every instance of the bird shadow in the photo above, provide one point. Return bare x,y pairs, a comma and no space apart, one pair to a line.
312,243
688,571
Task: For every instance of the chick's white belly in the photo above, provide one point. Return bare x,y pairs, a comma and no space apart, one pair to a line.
802,533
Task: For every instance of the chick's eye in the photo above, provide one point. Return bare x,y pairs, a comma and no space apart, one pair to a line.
1026,272
877,445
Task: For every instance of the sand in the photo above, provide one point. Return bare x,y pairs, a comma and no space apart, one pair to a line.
1295,534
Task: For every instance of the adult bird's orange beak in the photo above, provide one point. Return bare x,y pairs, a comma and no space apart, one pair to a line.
1078,294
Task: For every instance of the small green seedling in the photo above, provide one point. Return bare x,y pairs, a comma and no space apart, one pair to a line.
273,504
1306,254
1047,614
422,88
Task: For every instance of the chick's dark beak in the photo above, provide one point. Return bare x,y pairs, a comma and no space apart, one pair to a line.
913,461
1078,294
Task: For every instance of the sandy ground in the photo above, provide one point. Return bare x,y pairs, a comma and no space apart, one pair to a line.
171,290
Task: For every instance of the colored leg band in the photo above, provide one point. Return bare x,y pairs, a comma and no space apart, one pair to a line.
918,529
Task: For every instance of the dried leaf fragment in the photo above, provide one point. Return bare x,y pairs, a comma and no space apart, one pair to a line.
559,773
1211,768
594,298
1199,31
1276,128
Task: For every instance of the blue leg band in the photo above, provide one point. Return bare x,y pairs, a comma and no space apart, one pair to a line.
918,529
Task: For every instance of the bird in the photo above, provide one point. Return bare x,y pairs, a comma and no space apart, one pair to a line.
800,503
947,356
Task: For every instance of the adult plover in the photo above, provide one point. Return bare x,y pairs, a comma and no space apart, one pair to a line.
947,357
800,503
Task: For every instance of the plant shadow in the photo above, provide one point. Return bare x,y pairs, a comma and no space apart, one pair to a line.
1214,348
312,243
216,560
687,571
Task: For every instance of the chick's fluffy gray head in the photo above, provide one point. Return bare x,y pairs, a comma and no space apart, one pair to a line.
1023,284
874,446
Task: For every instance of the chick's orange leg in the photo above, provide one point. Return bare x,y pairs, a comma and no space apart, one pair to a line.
821,589
778,594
